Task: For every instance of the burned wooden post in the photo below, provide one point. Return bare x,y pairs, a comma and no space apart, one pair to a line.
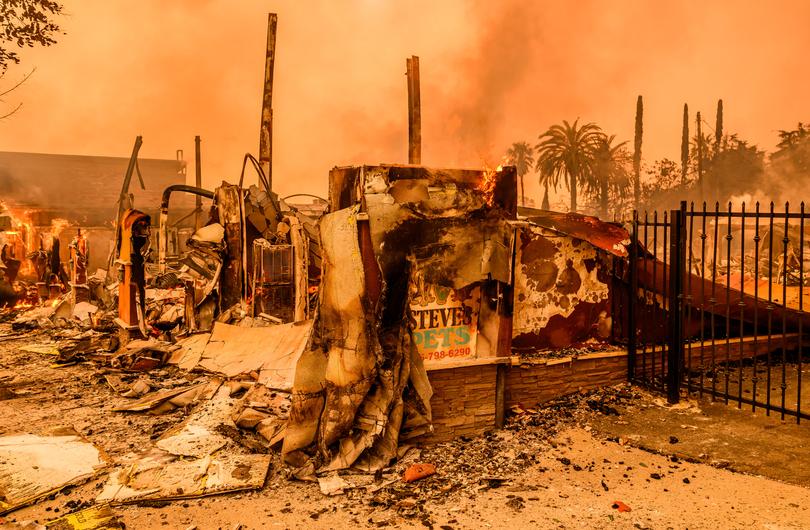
414,111
266,132
198,184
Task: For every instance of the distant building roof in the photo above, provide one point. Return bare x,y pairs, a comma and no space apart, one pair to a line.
82,189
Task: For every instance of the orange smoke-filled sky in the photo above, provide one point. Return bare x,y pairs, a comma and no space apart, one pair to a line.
493,72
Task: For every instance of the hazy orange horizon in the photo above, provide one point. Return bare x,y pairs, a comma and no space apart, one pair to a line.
492,73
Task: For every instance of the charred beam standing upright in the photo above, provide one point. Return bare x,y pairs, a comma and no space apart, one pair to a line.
414,111
198,184
266,133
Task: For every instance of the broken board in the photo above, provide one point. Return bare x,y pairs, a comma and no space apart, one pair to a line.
32,467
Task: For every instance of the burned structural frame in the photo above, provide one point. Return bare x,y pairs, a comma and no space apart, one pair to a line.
395,234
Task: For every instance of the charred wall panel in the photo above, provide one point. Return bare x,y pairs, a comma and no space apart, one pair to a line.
562,291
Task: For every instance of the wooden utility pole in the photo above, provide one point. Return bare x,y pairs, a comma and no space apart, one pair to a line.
266,132
414,111
198,183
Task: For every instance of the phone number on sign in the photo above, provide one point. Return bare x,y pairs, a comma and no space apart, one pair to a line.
444,354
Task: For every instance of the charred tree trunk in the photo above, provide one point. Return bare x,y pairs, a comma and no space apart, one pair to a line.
603,197
522,194
573,183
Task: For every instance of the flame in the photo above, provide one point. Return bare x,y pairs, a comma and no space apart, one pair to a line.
488,182
57,225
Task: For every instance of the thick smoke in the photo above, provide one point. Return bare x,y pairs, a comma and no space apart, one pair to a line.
492,73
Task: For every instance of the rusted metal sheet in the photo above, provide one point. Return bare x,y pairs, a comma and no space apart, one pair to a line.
610,237
562,290
703,298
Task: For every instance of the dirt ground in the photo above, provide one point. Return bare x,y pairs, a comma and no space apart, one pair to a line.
564,466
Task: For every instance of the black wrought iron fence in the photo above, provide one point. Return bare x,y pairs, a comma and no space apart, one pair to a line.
718,305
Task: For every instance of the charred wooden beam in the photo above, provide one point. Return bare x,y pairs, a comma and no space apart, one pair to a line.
266,132
197,183
414,111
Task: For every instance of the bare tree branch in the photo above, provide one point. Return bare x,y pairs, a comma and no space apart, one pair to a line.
4,116
23,80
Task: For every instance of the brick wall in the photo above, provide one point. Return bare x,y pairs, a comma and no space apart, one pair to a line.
530,384
463,401
464,398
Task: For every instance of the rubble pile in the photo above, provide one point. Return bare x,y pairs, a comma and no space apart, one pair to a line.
469,466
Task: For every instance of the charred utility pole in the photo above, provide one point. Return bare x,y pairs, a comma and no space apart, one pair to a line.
414,111
198,183
266,132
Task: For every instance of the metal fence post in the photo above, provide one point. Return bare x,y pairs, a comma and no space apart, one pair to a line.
677,265
632,299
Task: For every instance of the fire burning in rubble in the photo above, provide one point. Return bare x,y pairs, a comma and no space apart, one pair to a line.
487,184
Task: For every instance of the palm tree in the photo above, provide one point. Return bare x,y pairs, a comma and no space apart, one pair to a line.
611,173
567,150
521,155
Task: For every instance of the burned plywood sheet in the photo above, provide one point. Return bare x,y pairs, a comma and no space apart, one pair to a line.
162,477
562,292
271,352
32,466
192,459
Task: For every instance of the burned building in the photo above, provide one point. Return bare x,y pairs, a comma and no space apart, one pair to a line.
430,281
47,191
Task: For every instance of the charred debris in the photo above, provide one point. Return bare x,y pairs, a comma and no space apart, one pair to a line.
314,334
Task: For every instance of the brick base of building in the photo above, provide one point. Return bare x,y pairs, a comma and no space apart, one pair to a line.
464,397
